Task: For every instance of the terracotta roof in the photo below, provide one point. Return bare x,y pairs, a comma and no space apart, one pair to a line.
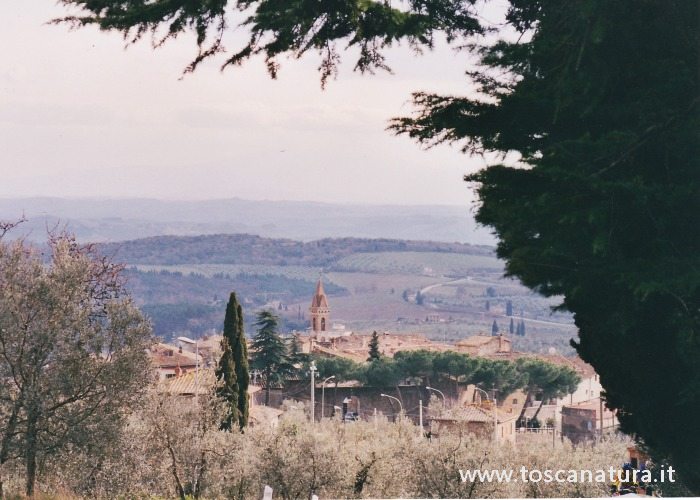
189,384
476,413
168,356
319,299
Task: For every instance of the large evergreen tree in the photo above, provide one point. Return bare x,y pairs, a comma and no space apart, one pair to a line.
232,371
269,354
374,347
598,101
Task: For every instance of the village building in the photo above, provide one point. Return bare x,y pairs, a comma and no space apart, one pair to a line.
586,421
180,365
354,346
200,383
171,361
484,345
477,420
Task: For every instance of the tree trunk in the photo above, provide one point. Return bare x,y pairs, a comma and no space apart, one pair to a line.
197,490
7,437
537,412
30,452
173,468
522,412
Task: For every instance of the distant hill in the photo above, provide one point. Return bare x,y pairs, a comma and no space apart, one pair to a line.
125,219
251,249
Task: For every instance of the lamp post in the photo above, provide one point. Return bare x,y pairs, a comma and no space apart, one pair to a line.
323,394
495,414
397,400
313,370
444,399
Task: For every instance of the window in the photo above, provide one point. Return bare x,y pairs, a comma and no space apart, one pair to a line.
314,324
515,401
323,324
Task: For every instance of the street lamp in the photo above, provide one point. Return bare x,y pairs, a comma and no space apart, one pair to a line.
323,394
313,371
397,400
495,414
444,399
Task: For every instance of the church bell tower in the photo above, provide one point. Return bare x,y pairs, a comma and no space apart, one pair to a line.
320,312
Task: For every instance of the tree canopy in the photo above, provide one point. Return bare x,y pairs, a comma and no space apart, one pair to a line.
270,355
73,359
595,105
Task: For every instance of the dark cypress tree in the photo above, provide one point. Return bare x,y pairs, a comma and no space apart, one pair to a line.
511,328
509,308
374,347
232,372
240,357
494,328
227,387
487,306
520,329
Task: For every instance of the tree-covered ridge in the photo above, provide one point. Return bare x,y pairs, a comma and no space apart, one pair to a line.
251,249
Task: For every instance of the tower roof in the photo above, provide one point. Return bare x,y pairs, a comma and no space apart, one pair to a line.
319,299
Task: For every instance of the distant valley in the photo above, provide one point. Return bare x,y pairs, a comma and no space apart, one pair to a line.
445,291
412,269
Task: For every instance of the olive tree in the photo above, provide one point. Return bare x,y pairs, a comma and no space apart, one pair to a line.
73,352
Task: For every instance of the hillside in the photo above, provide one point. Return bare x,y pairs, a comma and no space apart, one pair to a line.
251,249
182,283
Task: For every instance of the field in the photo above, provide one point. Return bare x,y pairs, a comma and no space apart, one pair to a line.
418,263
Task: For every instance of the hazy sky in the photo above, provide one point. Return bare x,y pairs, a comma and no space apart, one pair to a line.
81,116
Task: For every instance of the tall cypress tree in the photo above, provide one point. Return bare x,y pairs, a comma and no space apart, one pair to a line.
232,371
227,387
374,347
240,356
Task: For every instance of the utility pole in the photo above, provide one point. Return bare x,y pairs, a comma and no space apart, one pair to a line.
495,418
313,370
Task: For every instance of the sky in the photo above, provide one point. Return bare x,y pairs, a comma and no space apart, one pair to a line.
81,116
